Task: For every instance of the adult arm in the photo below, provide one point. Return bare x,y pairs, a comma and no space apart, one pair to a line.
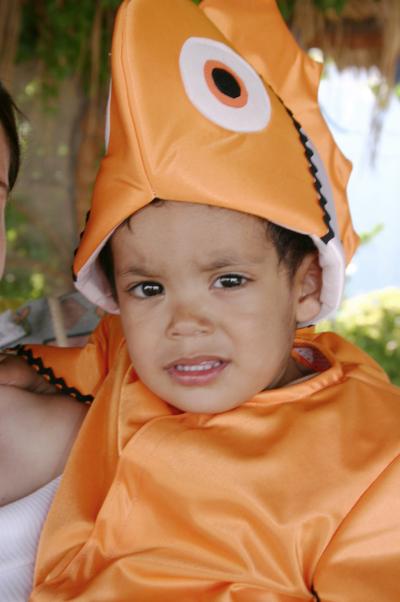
75,371
37,432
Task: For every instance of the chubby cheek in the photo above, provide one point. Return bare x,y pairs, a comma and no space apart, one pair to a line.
263,321
143,341
266,337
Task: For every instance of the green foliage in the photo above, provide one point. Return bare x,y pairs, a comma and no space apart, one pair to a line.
372,322
31,255
59,34
366,237
336,5
20,282
287,6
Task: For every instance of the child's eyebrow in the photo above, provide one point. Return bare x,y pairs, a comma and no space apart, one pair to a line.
229,261
137,271
224,261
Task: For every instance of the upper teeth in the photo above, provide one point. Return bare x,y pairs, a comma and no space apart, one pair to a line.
197,367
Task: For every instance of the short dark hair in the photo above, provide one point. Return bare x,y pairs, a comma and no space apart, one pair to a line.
291,248
8,111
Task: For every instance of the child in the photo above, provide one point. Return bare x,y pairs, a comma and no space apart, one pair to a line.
221,459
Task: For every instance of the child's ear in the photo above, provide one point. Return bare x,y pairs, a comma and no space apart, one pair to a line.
307,286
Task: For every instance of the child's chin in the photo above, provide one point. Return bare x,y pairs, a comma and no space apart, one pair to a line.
204,405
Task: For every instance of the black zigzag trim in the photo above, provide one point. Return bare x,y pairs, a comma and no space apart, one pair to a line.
317,184
59,382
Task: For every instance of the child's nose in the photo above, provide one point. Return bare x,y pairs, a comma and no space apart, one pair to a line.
189,320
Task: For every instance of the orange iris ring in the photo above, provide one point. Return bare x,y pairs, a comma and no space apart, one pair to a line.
236,103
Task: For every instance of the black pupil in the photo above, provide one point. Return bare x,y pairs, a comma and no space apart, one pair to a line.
225,82
229,281
150,289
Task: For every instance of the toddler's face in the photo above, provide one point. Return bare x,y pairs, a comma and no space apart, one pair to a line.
208,314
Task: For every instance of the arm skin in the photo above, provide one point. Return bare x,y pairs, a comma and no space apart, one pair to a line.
76,371
38,423
37,432
16,372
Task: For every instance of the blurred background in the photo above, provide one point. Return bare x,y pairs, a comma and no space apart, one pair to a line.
54,60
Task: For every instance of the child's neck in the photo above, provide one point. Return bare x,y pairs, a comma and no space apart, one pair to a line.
297,371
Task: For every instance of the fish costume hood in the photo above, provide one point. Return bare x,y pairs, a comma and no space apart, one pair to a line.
294,494
207,108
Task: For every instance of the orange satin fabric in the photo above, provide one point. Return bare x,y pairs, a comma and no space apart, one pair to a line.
257,30
160,145
154,146
294,490
83,368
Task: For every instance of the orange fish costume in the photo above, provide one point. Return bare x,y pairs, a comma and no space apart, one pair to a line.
295,494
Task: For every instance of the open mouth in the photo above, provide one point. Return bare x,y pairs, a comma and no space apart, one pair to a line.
196,371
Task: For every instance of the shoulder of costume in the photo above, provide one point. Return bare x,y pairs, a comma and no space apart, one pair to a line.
78,371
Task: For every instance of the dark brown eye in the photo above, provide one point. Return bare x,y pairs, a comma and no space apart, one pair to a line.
230,281
147,289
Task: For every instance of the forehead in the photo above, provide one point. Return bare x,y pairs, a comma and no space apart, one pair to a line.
193,229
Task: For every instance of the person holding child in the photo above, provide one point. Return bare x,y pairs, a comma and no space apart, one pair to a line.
36,429
227,455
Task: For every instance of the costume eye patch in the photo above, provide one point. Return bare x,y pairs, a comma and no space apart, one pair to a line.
223,87
225,84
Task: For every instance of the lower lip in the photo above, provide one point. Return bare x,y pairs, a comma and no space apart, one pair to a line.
195,378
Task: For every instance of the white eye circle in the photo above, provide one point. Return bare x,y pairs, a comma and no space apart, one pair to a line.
223,87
